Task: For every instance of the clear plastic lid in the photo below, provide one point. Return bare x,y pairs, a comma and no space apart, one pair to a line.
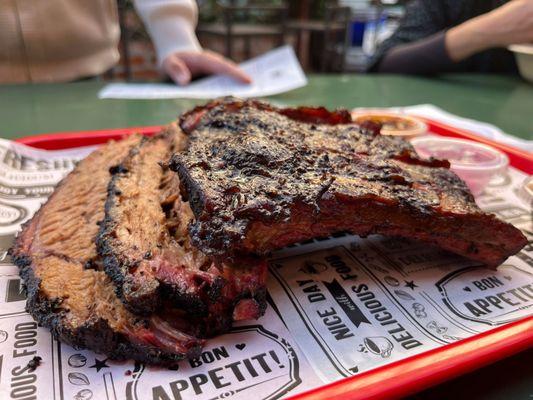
474,162
461,153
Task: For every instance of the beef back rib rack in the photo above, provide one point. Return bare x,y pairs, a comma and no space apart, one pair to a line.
259,178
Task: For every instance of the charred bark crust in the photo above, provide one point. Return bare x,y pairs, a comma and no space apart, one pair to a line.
259,178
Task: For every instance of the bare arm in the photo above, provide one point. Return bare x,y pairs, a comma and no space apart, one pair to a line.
417,49
508,24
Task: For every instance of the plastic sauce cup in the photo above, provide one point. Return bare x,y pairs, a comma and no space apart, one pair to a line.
473,162
394,124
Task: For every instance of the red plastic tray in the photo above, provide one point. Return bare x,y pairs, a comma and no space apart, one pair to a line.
403,377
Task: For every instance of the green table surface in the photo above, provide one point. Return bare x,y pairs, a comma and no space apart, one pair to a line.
503,101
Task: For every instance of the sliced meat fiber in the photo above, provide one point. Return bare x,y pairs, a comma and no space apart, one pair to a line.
259,178
66,292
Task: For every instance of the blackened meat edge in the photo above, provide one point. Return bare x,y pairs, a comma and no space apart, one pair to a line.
146,250
259,178
66,293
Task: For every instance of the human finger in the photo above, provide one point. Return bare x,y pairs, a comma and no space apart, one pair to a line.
215,64
177,70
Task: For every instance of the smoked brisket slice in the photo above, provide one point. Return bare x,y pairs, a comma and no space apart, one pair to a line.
259,178
57,258
146,249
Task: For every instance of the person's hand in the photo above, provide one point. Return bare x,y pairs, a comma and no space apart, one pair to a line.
509,24
182,66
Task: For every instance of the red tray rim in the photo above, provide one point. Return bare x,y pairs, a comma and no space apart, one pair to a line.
399,378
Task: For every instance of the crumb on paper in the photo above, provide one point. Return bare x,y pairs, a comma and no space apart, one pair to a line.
34,363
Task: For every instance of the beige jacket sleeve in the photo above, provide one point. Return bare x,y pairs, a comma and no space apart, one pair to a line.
171,25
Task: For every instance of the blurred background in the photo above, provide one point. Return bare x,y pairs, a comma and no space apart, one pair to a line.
328,35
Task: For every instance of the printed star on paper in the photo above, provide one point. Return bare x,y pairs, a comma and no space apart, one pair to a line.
410,284
99,364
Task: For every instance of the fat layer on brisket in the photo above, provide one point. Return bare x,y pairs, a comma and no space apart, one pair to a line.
58,263
146,248
259,178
